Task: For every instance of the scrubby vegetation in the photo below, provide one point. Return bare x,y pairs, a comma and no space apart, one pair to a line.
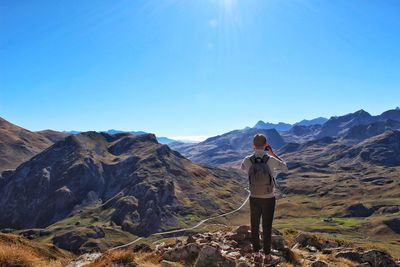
17,251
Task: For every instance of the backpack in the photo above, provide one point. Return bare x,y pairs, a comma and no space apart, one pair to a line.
260,178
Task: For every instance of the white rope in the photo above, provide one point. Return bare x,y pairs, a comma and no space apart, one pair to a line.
185,229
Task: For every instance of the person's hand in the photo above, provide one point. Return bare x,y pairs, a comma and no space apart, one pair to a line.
269,149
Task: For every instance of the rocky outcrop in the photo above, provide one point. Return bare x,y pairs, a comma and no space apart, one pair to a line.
383,149
233,248
221,249
358,210
373,258
77,240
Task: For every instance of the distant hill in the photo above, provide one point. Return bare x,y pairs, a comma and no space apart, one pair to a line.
162,140
53,136
141,185
18,144
281,126
316,121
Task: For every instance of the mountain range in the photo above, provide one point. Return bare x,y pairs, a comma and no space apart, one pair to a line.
91,190
282,126
228,149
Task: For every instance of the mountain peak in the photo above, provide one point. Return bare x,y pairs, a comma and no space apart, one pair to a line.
362,112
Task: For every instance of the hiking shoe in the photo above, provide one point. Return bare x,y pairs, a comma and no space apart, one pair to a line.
258,257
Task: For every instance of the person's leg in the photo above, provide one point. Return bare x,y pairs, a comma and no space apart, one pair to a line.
268,209
255,215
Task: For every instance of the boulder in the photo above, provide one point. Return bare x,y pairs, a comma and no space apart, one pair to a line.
238,237
244,229
319,263
165,263
75,239
182,253
349,254
378,258
373,257
277,242
210,256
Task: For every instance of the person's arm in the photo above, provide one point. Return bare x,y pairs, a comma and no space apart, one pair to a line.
272,153
276,162
245,164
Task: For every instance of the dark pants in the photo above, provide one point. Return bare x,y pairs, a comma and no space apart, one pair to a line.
261,207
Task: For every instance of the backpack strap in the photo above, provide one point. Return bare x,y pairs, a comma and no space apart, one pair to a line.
253,159
265,158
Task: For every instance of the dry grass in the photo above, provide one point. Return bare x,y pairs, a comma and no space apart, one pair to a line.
16,251
126,258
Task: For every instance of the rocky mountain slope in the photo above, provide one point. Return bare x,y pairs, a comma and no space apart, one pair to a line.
227,149
140,185
349,124
18,145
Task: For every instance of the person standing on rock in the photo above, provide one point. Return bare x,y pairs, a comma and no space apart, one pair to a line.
261,168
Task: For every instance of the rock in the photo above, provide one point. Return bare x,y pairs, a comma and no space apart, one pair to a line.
373,257
193,249
182,253
233,255
190,239
176,254
243,229
289,256
351,255
305,240
378,258
243,264
393,224
238,237
165,263
7,230
311,248
319,264
276,232
277,242
210,256
358,210
160,248
142,248
34,233
246,249
97,232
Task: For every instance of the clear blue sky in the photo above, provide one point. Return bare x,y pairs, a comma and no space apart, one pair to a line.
195,67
